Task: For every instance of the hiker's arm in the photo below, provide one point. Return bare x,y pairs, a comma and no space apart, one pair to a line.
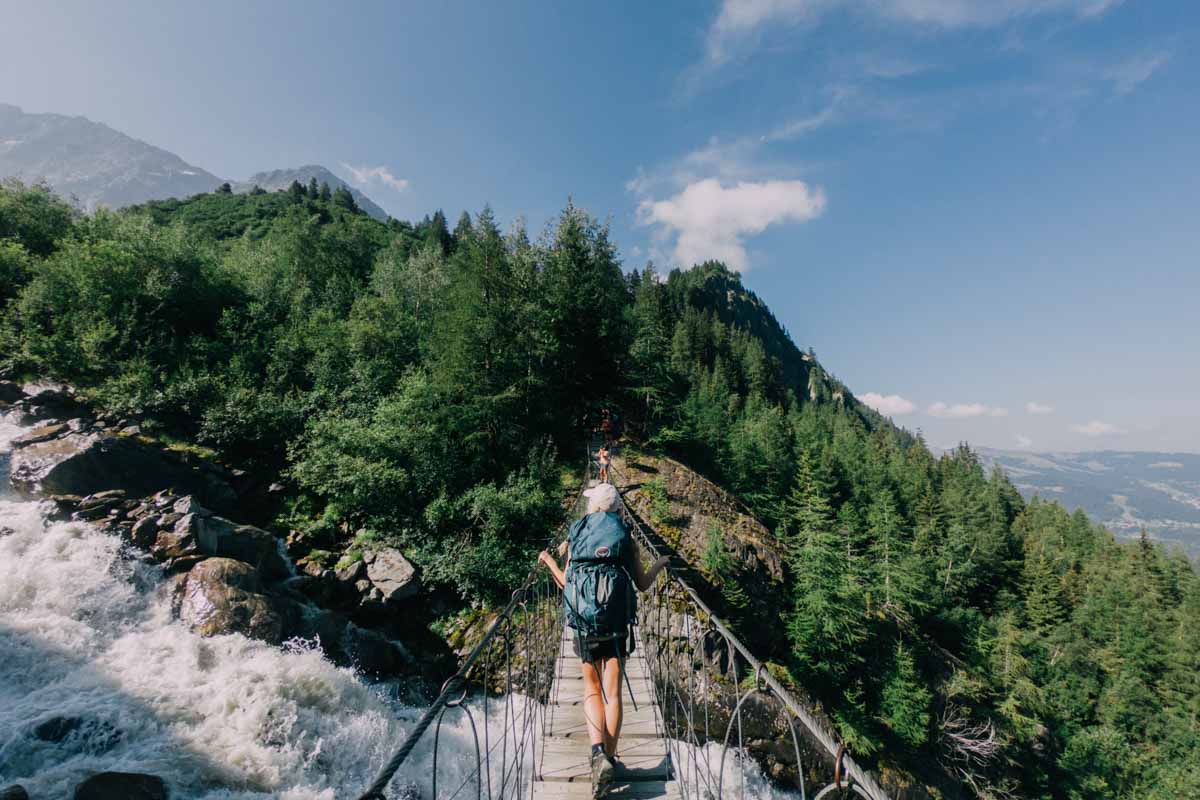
555,571
645,578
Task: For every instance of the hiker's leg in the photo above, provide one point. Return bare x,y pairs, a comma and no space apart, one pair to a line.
612,706
593,703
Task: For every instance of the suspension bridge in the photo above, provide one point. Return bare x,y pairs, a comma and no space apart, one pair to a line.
690,678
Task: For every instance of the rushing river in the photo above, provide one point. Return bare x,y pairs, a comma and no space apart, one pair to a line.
87,638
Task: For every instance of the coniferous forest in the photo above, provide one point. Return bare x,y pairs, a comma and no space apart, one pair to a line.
426,386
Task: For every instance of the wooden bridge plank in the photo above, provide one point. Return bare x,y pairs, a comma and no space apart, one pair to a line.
618,790
564,770
570,692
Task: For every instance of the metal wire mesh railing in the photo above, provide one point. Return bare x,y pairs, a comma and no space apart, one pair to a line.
512,666
703,678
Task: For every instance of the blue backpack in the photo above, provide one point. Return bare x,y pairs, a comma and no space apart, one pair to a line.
599,596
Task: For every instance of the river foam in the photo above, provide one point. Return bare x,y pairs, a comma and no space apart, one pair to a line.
86,634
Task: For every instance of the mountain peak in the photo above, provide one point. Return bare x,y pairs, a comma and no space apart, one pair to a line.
91,162
276,179
95,165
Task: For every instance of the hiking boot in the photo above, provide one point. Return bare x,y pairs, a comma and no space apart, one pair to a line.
602,774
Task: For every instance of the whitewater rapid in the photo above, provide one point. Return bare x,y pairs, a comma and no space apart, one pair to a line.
87,634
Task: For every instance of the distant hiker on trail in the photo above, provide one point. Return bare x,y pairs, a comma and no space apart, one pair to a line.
603,567
605,460
606,427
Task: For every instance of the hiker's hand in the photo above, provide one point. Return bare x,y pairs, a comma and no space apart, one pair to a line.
662,563
547,559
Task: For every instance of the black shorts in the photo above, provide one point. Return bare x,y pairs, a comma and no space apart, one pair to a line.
592,651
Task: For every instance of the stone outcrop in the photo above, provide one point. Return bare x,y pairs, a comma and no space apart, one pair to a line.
686,510
74,459
122,786
46,400
392,574
10,392
221,595
14,792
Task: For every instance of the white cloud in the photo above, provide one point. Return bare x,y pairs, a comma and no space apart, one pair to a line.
1037,408
1096,428
964,410
711,220
1131,73
892,405
364,176
1165,465
740,22
1024,442
803,125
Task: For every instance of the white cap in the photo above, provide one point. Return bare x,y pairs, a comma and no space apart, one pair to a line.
601,497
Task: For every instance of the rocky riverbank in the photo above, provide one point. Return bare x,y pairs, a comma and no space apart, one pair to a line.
225,576
180,514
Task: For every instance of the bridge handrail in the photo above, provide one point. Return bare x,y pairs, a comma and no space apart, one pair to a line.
841,759
456,682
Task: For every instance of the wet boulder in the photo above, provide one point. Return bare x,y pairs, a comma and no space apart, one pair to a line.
41,433
85,462
122,786
222,595
373,653
392,574
14,792
50,401
217,536
92,735
177,546
10,392
144,532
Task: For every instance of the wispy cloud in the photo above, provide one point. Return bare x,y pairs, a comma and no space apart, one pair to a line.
964,410
1133,72
710,220
891,405
381,175
1165,465
740,24
1096,428
1024,442
1038,408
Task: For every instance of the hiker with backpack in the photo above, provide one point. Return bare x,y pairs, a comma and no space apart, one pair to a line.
602,575
605,460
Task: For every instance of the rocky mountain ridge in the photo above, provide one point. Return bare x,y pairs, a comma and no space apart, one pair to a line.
95,165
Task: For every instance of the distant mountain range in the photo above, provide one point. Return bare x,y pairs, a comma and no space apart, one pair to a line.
93,165
1123,491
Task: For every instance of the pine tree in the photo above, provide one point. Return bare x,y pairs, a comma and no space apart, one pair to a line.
437,231
343,198
649,353
826,626
326,194
904,700
313,190
461,231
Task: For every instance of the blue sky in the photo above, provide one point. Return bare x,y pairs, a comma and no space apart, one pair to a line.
982,215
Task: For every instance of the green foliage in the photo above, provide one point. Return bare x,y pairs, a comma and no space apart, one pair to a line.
33,217
425,389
